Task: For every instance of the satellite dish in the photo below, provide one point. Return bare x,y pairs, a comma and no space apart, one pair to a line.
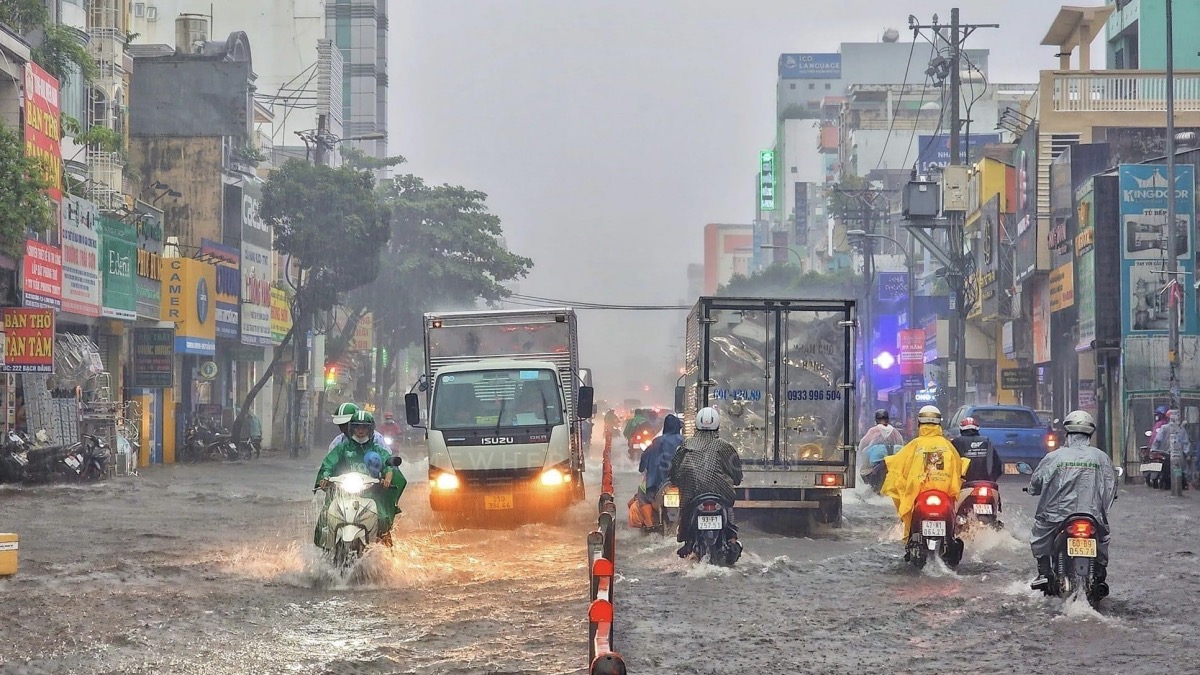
891,35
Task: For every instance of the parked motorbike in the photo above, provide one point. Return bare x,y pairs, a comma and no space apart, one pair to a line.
933,531
250,447
205,441
980,505
87,460
710,532
14,456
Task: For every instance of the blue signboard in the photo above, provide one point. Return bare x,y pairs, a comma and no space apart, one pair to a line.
935,150
1143,241
810,66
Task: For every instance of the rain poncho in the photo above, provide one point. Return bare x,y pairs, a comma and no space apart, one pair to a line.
341,438
1076,478
1169,434
928,462
656,461
880,441
705,464
350,456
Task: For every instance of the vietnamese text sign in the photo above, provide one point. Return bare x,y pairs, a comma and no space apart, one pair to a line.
80,257
1062,287
912,358
1017,378
935,150
118,269
42,283
28,340
154,358
43,125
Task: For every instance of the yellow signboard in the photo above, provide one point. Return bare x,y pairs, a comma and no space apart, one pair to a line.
281,314
188,299
1062,287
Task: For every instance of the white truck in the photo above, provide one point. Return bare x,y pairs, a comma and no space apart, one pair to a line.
505,409
780,372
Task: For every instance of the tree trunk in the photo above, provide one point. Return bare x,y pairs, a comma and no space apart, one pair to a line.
336,349
381,388
262,382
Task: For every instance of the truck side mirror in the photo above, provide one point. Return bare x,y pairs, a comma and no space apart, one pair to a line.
412,410
680,396
587,404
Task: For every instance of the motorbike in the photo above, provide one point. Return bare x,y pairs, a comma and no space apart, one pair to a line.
641,439
710,532
250,447
205,441
14,456
87,460
666,509
1076,547
351,516
981,505
932,530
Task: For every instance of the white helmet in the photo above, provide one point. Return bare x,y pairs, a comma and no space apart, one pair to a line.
1079,422
708,419
929,415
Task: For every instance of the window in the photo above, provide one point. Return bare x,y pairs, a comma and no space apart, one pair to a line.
792,85
828,87
139,9
497,399
152,13
795,170
812,86
1005,418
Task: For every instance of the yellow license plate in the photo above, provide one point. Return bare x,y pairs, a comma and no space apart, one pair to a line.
1081,548
671,500
497,502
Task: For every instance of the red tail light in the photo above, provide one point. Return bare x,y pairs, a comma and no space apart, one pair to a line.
982,491
1051,441
933,500
1081,529
710,506
831,479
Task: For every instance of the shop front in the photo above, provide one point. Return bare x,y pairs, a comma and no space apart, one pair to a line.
227,261
146,395
188,304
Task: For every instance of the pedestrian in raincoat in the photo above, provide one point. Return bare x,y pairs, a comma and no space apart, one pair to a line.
928,462
1173,436
1076,478
352,455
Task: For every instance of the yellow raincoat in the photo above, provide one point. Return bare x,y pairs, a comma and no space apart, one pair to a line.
928,462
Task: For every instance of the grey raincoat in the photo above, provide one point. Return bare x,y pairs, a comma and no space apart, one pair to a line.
1076,478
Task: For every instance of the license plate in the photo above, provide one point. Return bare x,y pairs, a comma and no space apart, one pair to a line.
497,502
72,462
1153,466
933,528
671,500
709,522
984,509
1011,469
1081,548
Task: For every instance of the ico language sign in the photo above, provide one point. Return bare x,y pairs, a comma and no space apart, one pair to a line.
28,340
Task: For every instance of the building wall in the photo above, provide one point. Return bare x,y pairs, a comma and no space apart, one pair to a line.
727,251
217,93
359,28
1141,27
193,167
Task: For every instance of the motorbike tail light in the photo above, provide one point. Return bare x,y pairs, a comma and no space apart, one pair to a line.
1051,441
710,506
1081,529
933,500
982,491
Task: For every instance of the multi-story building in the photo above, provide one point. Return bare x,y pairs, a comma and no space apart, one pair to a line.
1137,30
727,251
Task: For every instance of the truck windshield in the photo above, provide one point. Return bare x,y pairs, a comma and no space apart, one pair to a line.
490,398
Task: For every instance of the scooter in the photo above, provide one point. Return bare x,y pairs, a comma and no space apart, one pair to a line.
932,531
87,460
666,509
711,527
351,517
980,505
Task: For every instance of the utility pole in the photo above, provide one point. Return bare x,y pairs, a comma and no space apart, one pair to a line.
956,272
1172,253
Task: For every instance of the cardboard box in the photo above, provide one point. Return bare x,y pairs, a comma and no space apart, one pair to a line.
8,554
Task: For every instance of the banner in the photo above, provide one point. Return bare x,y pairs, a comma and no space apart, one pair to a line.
281,315
118,269
28,340
1143,236
80,257
256,272
43,124
153,361
42,282
912,358
187,301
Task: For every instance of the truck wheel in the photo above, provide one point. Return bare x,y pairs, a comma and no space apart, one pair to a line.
830,512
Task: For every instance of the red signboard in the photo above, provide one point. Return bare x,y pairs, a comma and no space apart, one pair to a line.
28,340
912,358
42,282
43,125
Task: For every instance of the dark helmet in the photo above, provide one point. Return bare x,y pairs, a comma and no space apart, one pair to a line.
1160,412
881,415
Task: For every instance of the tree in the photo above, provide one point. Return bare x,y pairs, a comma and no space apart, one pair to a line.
780,280
56,50
24,205
445,251
332,222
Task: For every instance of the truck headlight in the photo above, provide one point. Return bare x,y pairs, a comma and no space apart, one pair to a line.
446,481
553,477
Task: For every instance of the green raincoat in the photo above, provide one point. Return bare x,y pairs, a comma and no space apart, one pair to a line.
348,456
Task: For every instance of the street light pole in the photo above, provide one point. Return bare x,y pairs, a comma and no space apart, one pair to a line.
908,263
1172,254
789,248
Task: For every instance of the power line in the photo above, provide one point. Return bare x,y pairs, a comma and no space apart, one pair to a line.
539,301
903,86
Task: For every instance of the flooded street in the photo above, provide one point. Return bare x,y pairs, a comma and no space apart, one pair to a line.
210,569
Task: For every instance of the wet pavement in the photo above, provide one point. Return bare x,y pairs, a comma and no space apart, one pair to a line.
210,569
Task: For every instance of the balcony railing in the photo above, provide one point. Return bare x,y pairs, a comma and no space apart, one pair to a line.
1119,91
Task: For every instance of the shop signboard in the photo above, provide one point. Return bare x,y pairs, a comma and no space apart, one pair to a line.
188,303
80,257
118,269
41,284
281,315
153,361
912,358
28,340
1143,236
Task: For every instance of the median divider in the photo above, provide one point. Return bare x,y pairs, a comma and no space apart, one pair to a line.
602,560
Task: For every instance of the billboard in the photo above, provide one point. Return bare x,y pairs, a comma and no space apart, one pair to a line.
28,340
800,216
988,263
255,269
766,180
935,150
1143,237
1028,226
810,66
1085,264
43,123
80,257
41,285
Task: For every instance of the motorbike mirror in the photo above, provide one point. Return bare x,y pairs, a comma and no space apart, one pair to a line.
1057,421
1120,471
680,395
395,461
1148,434
1024,469
412,409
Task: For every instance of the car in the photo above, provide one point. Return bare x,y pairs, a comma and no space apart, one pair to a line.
1017,432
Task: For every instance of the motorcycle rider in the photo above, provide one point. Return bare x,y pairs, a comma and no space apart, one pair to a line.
927,462
706,464
655,465
986,464
341,417
1076,478
391,427
353,455
1173,434
881,440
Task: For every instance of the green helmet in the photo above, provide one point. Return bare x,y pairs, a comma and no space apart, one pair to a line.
361,419
344,412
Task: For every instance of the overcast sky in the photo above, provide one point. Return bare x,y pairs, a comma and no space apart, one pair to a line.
608,132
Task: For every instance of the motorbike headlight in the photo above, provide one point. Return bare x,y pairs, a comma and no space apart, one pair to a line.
353,484
388,440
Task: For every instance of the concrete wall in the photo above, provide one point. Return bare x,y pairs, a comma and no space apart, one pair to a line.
189,96
191,166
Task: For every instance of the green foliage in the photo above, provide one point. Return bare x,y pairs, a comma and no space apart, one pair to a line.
23,202
785,281
61,55
360,160
24,15
250,155
332,221
96,137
